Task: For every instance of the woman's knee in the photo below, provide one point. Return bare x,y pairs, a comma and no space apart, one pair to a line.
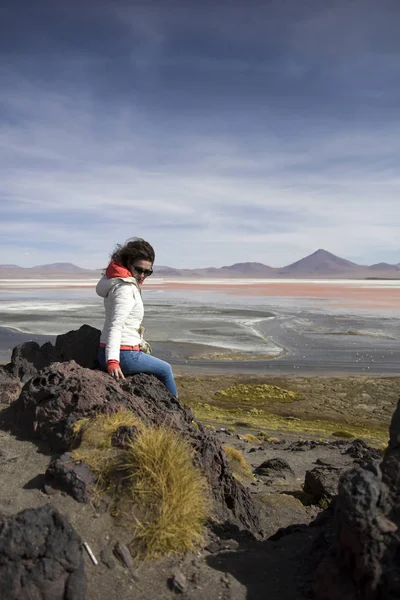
162,368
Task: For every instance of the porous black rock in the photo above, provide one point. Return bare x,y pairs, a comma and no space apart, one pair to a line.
66,475
40,557
29,358
275,468
63,393
322,482
227,491
81,346
360,556
362,453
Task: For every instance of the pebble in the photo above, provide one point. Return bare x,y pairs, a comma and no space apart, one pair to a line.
123,554
106,558
178,582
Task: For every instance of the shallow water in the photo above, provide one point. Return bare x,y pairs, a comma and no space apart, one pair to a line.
214,317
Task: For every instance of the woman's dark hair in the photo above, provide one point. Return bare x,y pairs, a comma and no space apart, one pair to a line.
133,250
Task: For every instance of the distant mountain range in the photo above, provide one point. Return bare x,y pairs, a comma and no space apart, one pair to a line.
320,264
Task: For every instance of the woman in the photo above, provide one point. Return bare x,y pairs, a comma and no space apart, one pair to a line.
122,335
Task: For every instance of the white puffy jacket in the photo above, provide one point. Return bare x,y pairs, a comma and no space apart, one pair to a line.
124,314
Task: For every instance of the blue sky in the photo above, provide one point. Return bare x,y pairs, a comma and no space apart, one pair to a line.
221,132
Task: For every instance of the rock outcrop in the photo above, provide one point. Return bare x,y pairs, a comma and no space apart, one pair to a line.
40,557
361,543
275,468
65,475
55,397
322,483
81,346
58,396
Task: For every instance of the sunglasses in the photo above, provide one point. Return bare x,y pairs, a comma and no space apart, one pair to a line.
141,271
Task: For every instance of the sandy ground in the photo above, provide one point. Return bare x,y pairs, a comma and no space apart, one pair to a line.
254,571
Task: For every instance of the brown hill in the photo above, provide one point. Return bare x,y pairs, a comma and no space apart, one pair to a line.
49,271
383,266
319,264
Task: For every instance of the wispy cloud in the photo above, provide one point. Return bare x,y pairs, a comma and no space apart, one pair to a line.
251,140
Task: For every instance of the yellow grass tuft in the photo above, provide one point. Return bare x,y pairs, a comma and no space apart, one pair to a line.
238,463
169,492
251,438
152,482
98,431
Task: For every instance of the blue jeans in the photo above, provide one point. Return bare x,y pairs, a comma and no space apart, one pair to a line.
133,362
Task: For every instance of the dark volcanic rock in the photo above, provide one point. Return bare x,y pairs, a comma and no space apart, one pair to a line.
304,445
160,407
10,386
40,557
59,395
29,358
82,346
52,401
362,453
76,479
322,482
212,461
361,558
275,468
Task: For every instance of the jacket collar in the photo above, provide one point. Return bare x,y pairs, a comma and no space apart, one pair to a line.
114,269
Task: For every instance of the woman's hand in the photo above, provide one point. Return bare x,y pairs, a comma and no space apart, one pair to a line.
117,374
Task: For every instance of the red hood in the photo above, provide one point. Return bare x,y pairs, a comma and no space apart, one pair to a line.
114,269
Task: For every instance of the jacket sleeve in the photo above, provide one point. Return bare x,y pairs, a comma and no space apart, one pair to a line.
122,303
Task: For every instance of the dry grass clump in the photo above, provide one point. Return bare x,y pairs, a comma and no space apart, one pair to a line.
263,436
97,432
95,448
152,482
169,491
238,463
251,438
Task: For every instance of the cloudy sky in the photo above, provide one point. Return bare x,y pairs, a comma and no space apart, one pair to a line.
221,131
